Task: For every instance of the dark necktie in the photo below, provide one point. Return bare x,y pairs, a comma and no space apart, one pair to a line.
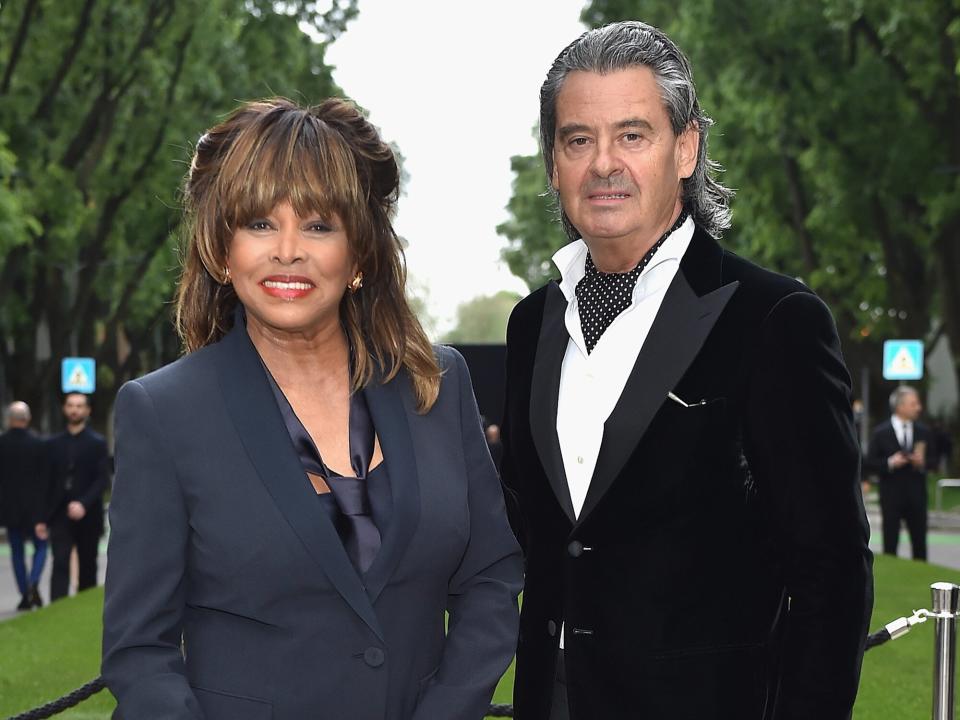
357,531
601,297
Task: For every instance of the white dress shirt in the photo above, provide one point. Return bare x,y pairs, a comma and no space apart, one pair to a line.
591,384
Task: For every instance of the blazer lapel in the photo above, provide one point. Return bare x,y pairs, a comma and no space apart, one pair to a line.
389,412
258,421
675,338
545,392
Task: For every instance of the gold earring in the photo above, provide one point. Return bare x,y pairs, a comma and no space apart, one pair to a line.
226,276
356,283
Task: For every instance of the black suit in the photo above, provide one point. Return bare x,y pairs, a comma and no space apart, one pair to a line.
79,472
903,492
218,539
719,567
23,479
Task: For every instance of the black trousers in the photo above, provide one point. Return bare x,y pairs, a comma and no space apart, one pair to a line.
904,500
560,709
64,535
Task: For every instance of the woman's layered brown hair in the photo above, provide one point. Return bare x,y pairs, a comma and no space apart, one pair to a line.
323,159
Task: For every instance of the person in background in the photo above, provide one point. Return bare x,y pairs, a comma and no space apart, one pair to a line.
898,455
303,499
78,467
23,493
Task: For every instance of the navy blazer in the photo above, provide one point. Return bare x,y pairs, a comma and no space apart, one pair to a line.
229,595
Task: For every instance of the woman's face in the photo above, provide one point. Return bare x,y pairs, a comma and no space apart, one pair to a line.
290,272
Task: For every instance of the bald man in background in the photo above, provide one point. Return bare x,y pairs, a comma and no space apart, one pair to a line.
23,492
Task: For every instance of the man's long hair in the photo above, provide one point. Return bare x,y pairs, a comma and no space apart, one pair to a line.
625,45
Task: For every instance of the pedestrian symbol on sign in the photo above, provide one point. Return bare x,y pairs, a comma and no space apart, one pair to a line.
78,375
903,359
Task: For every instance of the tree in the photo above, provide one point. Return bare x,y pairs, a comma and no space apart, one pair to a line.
100,103
837,123
483,319
533,231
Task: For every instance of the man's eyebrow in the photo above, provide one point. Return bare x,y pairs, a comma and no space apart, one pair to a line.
574,128
634,123
571,129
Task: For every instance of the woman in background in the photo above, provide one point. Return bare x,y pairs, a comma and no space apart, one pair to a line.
302,497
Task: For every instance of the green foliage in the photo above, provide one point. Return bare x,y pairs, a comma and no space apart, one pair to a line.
100,104
837,123
533,231
483,319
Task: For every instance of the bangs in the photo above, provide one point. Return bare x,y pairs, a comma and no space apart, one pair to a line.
287,157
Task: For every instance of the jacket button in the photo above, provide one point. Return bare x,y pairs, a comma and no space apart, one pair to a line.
551,628
374,656
575,548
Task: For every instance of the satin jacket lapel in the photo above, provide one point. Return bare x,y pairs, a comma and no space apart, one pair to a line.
258,421
390,413
545,392
675,338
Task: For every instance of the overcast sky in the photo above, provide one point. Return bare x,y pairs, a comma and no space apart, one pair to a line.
455,86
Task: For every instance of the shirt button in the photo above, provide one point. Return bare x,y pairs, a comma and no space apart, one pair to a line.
374,656
580,459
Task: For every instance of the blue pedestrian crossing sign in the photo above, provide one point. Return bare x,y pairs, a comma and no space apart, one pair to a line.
78,374
903,359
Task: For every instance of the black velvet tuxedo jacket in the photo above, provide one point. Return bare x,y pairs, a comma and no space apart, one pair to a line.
218,540
719,567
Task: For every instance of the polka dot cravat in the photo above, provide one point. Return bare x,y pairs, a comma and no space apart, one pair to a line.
602,296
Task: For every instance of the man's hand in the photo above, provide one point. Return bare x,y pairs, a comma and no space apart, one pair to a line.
917,459
76,510
41,531
897,460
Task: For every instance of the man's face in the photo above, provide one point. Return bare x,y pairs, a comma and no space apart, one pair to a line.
617,164
909,407
76,409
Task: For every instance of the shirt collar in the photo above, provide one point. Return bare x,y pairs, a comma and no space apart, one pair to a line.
571,259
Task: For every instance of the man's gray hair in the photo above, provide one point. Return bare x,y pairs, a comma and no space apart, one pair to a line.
621,46
897,396
18,411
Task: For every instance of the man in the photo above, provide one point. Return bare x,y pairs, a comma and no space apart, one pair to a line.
78,459
898,454
23,491
678,440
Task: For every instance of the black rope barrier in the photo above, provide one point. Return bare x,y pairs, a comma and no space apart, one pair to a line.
65,703
94,686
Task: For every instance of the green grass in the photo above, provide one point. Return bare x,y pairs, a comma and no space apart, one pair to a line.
57,649
897,678
50,652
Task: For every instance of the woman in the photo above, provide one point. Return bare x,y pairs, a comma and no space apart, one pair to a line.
301,497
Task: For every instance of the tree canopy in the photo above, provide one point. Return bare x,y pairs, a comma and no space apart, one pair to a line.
483,319
100,104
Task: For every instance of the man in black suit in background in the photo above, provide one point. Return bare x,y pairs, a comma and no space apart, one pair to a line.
23,494
899,449
679,447
78,467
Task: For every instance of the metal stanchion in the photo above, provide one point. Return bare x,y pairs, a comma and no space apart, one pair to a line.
946,597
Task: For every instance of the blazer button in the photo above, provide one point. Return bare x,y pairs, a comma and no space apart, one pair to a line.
575,548
551,628
374,656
